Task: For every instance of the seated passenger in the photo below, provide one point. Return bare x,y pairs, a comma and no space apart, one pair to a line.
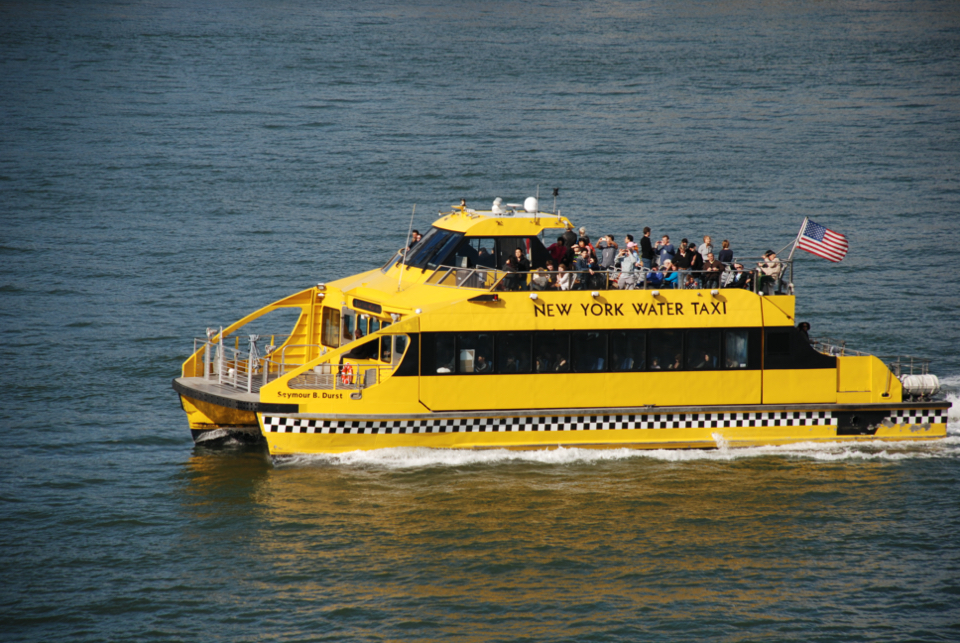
564,280
482,365
670,276
551,274
740,278
539,281
654,277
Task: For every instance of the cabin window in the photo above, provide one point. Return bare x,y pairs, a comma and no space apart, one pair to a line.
366,350
551,352
444,351
386,354
474,252
434,247
735,343
703,350
513,353
330,335
628,350
399,347
589,351
666,350
474,353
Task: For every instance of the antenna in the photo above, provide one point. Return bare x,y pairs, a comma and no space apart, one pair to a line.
406,248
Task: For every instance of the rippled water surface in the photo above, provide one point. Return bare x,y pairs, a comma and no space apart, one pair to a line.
168,166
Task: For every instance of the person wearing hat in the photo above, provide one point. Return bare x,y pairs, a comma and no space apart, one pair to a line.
770,271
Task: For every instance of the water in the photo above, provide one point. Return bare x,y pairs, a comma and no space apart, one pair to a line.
165,167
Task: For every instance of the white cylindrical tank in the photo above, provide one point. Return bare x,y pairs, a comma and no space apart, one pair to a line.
920,385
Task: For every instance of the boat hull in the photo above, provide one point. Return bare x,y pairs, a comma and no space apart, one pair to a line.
660,428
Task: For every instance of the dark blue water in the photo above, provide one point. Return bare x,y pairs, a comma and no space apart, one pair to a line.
168,166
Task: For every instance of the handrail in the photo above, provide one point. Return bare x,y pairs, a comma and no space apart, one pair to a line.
492,279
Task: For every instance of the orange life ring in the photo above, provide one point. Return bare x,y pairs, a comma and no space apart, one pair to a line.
346,374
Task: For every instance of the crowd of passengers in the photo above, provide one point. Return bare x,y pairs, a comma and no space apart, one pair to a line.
577,264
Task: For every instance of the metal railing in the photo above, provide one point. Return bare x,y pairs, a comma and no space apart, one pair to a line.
346,376
900,365
647,279
248,370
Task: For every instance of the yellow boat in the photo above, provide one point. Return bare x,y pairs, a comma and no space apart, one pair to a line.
439,348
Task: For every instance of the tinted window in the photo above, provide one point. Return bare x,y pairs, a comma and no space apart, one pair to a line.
628,350
441,354
475,353
513,353
431,243
551,352
589,351
703,350
735,347
666,350
473,252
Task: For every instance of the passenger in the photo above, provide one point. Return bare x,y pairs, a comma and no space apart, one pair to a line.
511,280
539,281
583,235
741,278
696,264
726,254
608,251
483,365
569,237
485,258
804,328
770,271
414,239
655,364
690,283
560,364
670,276
551,273
543,363
683,262
558,250
712,270
706,247
665,250
520,261
511,366
630,267
676,363
582,279
706,361
654,277
646,250
564,277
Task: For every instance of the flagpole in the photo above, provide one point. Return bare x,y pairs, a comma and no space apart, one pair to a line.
803,227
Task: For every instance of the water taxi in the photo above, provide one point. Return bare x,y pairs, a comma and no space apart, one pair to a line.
441,347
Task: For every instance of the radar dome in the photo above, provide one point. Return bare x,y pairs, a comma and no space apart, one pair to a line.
530,204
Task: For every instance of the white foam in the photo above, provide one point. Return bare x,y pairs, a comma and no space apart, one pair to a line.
421,458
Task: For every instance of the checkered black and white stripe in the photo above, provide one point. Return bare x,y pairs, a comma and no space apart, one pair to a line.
280,424
918,416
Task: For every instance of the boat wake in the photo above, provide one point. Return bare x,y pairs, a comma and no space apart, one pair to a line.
423,458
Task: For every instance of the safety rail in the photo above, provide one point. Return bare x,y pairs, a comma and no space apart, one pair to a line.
346,376
248,370
646,279
900,365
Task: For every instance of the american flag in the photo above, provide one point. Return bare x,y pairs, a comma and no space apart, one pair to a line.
816,239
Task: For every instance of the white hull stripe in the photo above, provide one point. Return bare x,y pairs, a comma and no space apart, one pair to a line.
278,424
